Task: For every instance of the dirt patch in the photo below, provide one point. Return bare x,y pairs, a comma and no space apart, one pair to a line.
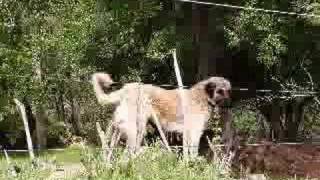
302,160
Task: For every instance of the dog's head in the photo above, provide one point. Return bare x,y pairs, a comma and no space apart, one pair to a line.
218,90
102,79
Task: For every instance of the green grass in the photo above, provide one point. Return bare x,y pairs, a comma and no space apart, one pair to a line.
26,171
51,159
69,155
153,164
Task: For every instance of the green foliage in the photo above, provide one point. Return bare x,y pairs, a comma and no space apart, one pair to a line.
42,44
285,45
52,39
48,49
129,36
161,44
245,122
279,42
258,31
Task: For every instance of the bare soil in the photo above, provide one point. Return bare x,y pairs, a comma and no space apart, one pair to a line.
302,160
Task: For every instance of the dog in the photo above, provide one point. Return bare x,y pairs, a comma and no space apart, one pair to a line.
137,102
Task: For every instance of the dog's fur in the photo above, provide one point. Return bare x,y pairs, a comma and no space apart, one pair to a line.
136,102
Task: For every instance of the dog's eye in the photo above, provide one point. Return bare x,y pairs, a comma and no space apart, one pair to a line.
220,91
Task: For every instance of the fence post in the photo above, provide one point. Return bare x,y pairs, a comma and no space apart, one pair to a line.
181,111
22,110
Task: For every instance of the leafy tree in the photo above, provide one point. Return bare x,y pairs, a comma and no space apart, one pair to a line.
49,49
287,47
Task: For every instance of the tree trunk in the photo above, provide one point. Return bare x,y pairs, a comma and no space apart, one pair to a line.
76,117
295,120
229,137
285,118
60,106
42,127
276,122
200,31
263,128
41,111
272,114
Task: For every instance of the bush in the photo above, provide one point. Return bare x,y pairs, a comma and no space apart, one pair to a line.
246,123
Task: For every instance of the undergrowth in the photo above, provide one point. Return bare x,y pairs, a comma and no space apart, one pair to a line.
23,169
155,163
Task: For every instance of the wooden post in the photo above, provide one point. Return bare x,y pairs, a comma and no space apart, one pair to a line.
22,110
181,111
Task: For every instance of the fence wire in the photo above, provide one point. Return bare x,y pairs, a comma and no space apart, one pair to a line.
294,93
252,9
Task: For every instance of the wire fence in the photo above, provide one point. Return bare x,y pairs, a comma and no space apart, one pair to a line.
115,83
252,9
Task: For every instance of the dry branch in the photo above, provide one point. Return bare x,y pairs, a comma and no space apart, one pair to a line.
103,140
114,140
219,158
156,121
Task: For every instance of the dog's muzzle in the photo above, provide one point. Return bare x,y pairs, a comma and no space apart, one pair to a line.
226,102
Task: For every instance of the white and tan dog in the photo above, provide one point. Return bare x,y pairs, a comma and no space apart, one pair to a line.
136,102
